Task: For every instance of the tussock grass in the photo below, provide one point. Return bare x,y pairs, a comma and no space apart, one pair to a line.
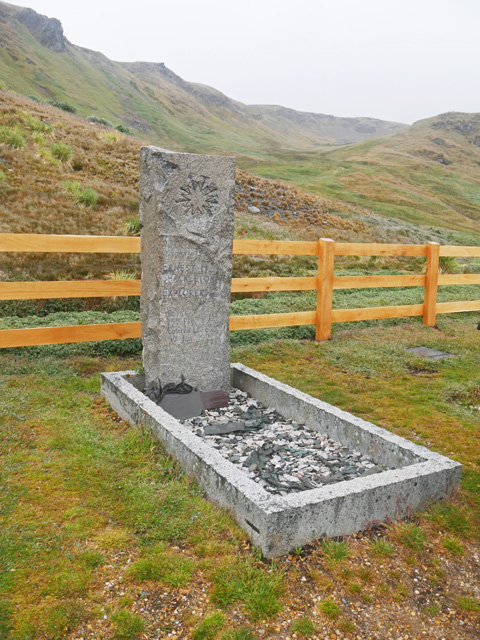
33,123
346,626
12,137
304,627
329,608
39,139
132,226
244,582
453,545
452,518
382,547
86,196
207,629
61,151
127,625
468,604
410,535
335,551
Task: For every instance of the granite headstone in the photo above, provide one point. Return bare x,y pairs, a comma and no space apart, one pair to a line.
186,214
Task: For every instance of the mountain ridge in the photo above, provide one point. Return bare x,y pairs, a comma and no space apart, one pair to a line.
428,174
151,98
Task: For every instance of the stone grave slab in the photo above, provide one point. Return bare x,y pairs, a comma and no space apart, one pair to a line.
431,354
220,428
186,214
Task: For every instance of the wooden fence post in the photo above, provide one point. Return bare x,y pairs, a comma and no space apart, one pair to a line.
326,256
431,284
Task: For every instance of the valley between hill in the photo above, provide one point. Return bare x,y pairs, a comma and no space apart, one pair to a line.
382,174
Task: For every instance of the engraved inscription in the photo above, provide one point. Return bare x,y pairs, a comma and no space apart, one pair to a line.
199,197
185,274
183,330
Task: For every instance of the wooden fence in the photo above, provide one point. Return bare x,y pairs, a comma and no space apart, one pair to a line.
324,284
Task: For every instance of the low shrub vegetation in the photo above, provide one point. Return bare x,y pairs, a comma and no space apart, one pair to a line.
11,137
210,625
127,625
64,106
124,129
329,608
61,151
86,196
98,120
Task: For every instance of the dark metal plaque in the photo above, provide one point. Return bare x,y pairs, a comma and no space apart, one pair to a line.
214,399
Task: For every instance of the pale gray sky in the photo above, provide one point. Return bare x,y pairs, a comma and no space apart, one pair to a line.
399,60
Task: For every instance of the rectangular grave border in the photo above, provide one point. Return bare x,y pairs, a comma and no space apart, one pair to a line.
277,524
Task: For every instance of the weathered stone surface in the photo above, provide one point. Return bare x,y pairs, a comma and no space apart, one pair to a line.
186,212
218,428
431,354
48,31
183,406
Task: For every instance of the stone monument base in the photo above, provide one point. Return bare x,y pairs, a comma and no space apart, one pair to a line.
414,476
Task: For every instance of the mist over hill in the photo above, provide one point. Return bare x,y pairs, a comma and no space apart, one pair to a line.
426,174
36,58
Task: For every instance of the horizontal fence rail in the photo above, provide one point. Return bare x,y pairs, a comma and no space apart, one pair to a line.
323,283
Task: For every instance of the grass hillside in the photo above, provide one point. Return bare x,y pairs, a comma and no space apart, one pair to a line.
36,58
51,160
428,174
425,175
62,174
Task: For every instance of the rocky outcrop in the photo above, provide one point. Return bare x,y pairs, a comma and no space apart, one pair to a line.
48,31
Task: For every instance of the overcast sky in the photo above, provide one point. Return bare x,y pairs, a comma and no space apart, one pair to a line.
396,60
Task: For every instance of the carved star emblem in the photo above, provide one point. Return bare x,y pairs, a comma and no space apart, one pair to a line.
199,197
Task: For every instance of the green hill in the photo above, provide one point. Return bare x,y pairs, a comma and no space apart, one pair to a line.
36,58
428,174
